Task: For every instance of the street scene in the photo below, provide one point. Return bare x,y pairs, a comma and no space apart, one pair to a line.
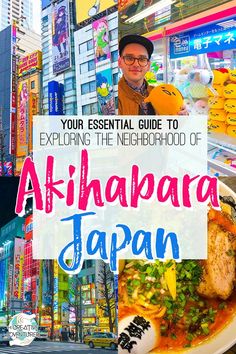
54,347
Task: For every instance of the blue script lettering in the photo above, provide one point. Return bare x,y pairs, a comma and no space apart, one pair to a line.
96,244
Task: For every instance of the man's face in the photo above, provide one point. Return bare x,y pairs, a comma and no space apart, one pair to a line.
134,73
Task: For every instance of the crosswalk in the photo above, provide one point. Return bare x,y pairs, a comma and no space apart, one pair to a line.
43,348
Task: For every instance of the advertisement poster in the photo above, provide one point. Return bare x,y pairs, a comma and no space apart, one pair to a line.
106,102
101,40
61,49
118,178
23,118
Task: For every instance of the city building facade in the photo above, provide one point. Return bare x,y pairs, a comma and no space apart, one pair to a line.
20,11
94,74
16,42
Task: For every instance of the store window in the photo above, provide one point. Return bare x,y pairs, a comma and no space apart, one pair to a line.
70,108
88,109
69,84
88,66
84,47
90,44
115,79
85,88
32,85
88,87
114,56
91,65
113,34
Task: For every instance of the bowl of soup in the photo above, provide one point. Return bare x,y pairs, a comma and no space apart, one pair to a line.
191,305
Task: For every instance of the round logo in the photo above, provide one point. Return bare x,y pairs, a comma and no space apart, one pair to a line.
22,329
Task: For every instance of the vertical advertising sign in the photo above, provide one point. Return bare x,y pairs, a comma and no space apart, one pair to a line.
55,304
29,228
18,253
46,283
22,119
106,102
55,98
12,147
101,40
33,110
60,37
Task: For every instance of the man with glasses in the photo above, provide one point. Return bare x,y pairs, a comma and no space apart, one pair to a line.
135,52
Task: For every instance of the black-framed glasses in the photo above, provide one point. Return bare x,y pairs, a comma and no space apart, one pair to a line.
129,60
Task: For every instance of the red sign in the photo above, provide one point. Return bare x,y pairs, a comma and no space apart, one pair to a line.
29,228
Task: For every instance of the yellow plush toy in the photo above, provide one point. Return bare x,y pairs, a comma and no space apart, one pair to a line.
218,89
232,75
217,114
231,118
166,99
231,130
216,126
230,105
230,91
219,77
216,102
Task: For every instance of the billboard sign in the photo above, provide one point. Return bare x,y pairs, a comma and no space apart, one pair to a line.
206,39
106,101
55,98
12,145
46,283
101,40
60,37
22,119
90,8
18,254
29,228
30,63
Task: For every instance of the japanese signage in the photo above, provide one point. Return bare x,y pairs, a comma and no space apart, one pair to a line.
12,147
205,39
22,119
60,37
55,98
90,8
30,62
33,110
18,254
